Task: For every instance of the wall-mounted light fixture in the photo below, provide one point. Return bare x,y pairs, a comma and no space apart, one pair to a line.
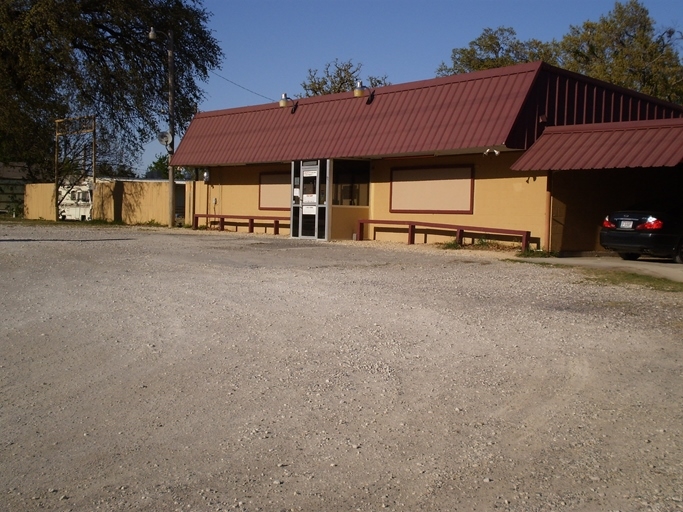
491,151
360,91
286,101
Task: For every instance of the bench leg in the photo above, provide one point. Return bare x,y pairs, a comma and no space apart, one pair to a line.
251,225
276,227
195,222
411,234
359,231
221,224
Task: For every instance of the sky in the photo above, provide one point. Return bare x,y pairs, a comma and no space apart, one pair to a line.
270,45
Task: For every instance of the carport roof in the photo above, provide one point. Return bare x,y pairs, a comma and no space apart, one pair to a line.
657,143
449,114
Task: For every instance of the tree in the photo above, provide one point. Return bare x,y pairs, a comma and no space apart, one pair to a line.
622,47
158,169
495,49
337,77
77,58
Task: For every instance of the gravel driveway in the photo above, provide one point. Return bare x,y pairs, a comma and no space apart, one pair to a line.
144,369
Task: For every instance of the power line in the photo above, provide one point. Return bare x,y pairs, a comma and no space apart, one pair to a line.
242,87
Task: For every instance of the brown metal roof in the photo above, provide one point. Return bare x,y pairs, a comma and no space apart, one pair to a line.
476,110
657,143
497,108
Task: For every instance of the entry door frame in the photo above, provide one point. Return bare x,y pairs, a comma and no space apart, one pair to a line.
310,214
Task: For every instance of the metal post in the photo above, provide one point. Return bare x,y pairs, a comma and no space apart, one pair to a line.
171,129
56,170
94,149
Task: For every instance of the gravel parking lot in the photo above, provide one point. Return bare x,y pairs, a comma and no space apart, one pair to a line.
149,369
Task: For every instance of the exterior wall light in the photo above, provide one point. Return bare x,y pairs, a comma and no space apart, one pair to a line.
490,151
360,91
286,101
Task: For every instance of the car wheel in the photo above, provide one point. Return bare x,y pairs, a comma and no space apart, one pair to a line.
629,256
679,255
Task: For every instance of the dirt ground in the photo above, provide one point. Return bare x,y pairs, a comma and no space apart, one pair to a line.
149,369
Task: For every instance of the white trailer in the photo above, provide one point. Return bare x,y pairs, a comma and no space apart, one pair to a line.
76,202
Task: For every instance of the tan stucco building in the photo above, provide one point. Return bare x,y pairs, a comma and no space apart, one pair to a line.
422,159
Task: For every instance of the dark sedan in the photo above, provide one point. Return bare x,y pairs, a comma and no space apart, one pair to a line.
653,228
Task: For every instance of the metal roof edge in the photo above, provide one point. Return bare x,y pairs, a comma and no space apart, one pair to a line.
386,89
672,122
557,141
535,67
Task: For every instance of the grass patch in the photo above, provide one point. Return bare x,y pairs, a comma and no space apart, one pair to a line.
452,245
480,244
69,223
614,277
97,222
528,253
151,224
621,278
535,262
26,222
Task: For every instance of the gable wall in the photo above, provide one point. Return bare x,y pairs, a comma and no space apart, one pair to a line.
564,99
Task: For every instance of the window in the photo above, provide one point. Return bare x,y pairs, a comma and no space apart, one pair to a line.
432,190
351,185
274,191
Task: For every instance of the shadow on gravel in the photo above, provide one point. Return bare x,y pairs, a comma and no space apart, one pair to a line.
66,240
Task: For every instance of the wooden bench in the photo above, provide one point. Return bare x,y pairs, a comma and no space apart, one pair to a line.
251,220
459,230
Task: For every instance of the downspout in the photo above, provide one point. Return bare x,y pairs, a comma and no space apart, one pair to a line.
193,209
548,211
329,169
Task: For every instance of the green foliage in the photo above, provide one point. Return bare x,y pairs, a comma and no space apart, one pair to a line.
75,58
152,224
497,48
622,47
452,245
158,169
337,77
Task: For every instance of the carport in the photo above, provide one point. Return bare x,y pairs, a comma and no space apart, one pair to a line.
595,169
